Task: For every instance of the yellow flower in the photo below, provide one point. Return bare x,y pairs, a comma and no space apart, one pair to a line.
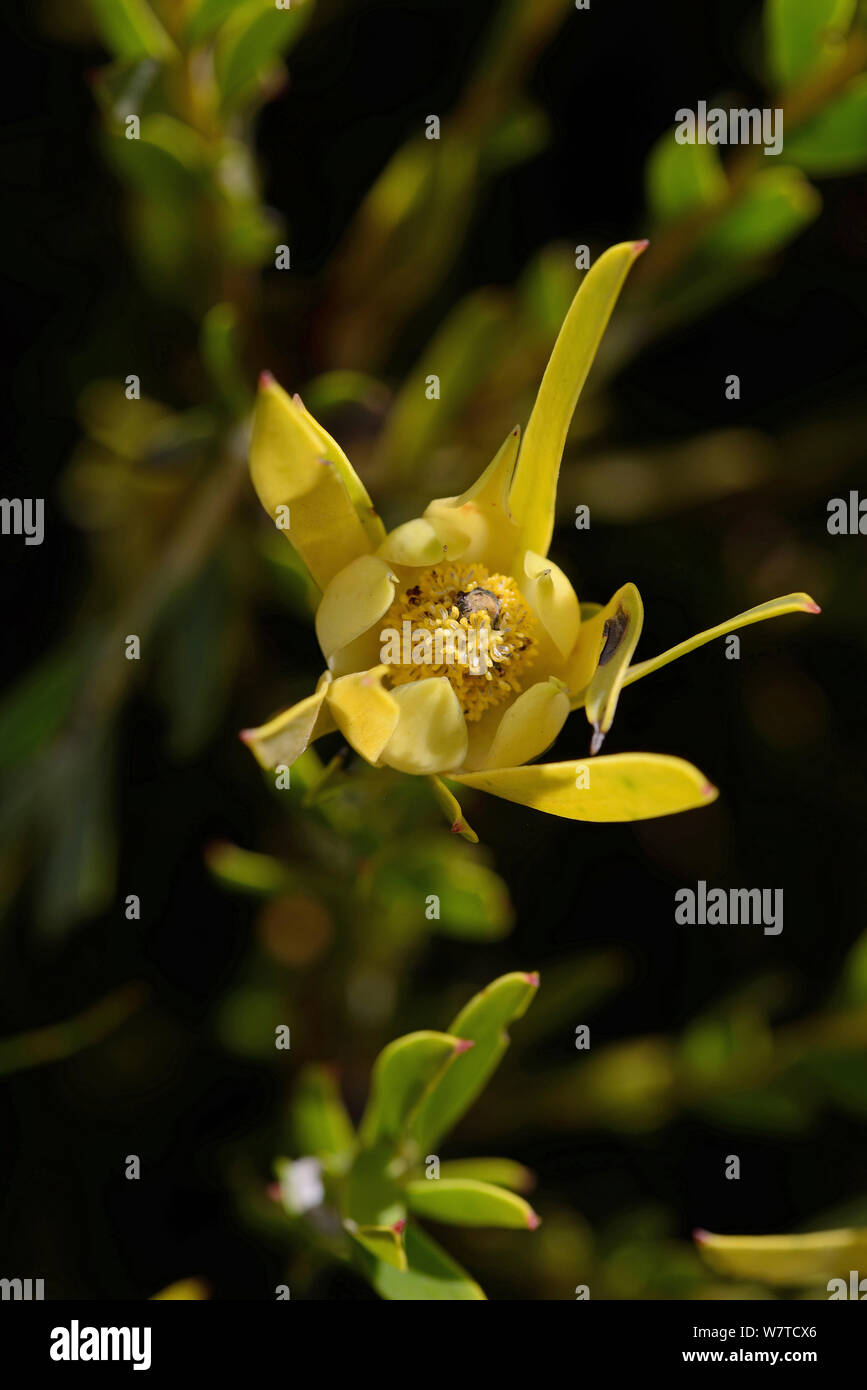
453,645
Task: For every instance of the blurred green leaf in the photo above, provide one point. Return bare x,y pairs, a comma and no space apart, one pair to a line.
207,17
131,30
197,657
786,1260
484,1021
77,868
241,870
36,708
169,159
473,902
319,1119
431,1275
383,1242
221,355
402,1073
251,40
804,34
682,179
502,1172
776,206
835,140
469,1202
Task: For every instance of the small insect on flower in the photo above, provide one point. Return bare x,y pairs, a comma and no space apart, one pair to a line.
444,700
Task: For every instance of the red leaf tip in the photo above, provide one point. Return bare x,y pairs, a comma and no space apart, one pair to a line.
700,1236
532,978
266,379
533,1221
464,1044
812,607
399,1226
246,736
639,246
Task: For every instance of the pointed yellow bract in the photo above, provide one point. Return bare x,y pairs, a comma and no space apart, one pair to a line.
534,490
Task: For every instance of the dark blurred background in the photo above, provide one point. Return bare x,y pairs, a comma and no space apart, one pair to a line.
781,732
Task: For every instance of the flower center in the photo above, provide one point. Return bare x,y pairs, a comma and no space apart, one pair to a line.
463,623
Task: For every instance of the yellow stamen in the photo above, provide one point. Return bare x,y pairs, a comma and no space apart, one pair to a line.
485,653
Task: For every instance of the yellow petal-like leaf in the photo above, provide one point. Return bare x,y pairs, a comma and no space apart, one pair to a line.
622,787
423,541
534,489
431,734
358,494
285,737
621,621
302,489
185,1290
774,608
354,600
553,600
529,725
792,1260
482,512
364,711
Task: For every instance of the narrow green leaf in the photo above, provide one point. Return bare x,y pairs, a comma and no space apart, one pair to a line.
431,1275
320,1123
131,30
804,34
484,1020
402,1073
469,1202
503,1172
778,204
384,1243
244,871
682,179
786,1260
835,140
251,41
206,19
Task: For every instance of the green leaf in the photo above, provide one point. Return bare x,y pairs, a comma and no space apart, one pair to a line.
131,30
371,1195
431,1275
835,140
484,1021
804,34
473,902
244,871
320,1123
221,355
786,1260
251,41
169,158
37,707
402,1073
469,1202
776,206
503,1172
207,18
384,1243
682,179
